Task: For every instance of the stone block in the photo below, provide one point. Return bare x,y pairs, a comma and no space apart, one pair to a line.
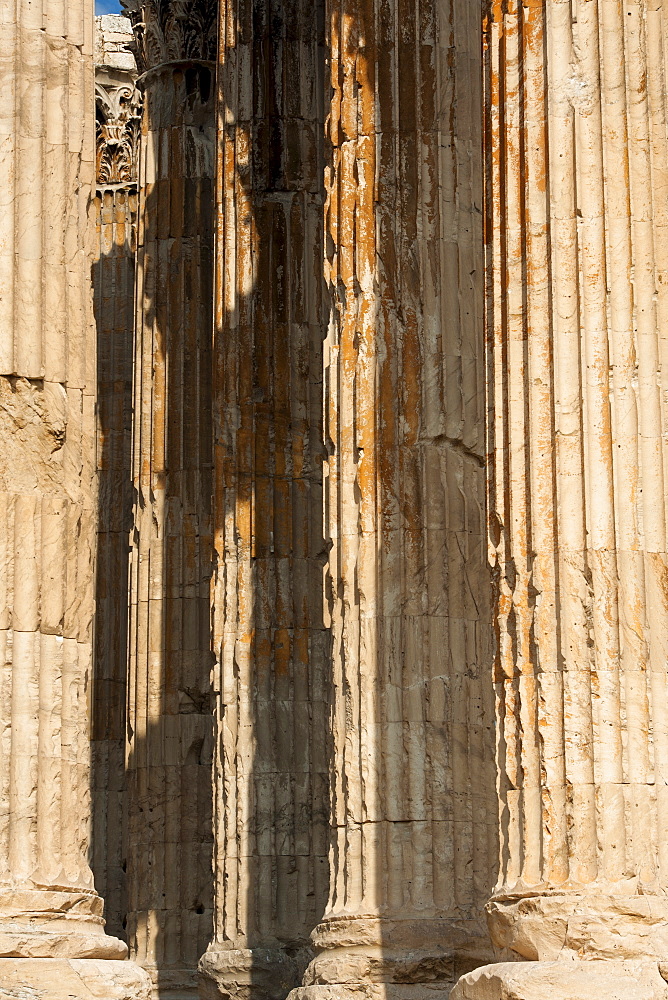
71,979
635,980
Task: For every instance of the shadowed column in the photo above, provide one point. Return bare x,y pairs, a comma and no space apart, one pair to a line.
118,116
412,799
169,733
270,637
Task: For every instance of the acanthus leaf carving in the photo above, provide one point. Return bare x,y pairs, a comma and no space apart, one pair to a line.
173,31
118,116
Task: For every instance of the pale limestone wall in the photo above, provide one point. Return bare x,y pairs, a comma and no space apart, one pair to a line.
113,44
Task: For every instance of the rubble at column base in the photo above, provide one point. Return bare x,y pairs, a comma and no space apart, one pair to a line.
251,974
374,991
173,983
72,979
589,926
566,980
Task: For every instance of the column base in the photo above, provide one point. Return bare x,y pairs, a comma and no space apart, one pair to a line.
565,980
251,974
48,923
72,978
172,984
438,990
558,925
414,958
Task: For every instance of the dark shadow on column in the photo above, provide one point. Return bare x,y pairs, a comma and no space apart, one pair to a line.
273,656
291,655
152,706
170,722
113,287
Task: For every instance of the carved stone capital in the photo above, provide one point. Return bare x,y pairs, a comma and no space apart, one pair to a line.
118,116
173,31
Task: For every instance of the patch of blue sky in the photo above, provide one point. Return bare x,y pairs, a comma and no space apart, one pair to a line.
107,7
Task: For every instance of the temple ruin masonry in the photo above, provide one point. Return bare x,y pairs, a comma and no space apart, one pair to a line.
333,507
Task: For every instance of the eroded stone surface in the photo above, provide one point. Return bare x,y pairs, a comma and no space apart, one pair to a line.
49,908
413,807
577,467
48,495
74,979
453,400
565,980
270,630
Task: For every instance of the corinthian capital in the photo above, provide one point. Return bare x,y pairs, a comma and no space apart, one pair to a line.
118,114
172,30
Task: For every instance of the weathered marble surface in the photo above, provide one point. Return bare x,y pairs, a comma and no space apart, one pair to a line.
569,980
47,488
399,461
413,809
270,636
576,309
51,923
63,979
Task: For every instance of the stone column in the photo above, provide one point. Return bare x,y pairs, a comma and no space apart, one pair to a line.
413,803
49,910
576,305
270,637
118,114
169,733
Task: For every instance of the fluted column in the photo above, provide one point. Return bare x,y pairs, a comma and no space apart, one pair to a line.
413,819
575,210
117,128
169,734
270,638
48,509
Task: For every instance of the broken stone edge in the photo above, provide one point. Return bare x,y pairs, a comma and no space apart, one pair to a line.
564,980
